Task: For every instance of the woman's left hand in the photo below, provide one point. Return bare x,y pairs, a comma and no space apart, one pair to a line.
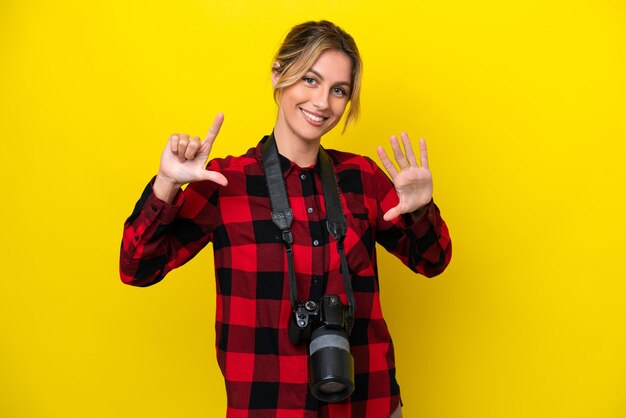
413,183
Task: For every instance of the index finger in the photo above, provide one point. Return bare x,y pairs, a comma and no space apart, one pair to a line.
215,128
391,169
212,134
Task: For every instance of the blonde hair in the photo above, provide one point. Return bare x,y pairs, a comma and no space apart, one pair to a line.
303,45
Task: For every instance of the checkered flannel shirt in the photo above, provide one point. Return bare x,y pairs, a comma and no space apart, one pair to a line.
265,374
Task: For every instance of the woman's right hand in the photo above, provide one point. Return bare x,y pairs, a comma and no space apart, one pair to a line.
184,161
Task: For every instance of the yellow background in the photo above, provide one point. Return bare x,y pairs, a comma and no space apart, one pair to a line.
522,105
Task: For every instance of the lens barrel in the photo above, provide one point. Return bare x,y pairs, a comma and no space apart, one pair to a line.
331,366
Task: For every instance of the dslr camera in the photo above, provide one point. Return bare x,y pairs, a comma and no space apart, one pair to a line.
326,325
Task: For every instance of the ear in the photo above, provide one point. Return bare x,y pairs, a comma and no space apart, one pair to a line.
275,73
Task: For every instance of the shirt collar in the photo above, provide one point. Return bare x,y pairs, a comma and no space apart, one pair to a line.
286,164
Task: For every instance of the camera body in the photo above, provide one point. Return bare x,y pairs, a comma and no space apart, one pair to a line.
327,325
309,315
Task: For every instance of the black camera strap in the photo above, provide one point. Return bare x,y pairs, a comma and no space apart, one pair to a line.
282,214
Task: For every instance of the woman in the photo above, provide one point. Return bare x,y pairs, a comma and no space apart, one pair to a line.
316,74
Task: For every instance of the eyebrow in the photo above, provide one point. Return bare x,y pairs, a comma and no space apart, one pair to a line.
344,83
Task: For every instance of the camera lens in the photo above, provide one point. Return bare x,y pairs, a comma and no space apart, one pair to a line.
331,387
331,366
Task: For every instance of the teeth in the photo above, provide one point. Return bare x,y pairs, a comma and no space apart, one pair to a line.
312,117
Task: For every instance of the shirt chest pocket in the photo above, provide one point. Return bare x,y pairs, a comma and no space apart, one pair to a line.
359,244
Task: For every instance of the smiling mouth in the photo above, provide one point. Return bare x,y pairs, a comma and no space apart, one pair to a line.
313,118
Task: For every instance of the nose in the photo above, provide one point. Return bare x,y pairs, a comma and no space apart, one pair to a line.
320,99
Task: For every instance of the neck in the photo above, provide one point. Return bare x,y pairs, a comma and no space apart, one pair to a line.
301,152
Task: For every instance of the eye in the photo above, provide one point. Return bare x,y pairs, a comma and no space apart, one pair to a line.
309,81
339,91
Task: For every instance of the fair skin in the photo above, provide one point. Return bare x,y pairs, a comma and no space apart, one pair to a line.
311,107
306,111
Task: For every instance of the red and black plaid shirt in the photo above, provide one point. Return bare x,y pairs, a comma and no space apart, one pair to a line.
265,374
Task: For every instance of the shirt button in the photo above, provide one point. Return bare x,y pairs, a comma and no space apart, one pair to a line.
154,208
310,210
302,176
316,243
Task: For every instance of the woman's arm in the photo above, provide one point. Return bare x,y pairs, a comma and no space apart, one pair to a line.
409,224
168,226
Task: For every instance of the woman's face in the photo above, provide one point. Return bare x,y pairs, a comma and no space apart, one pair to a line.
314,105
